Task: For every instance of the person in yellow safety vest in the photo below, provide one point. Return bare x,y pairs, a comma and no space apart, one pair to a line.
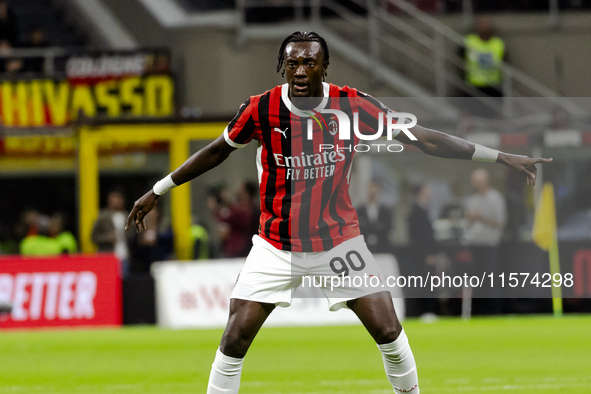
39,245
484,54
65,239
50,240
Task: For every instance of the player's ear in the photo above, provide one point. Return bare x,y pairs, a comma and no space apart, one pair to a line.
324,68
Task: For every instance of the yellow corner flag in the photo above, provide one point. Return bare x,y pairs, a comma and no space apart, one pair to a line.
544,235
544,231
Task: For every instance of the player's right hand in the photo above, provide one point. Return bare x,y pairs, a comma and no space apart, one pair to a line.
140,209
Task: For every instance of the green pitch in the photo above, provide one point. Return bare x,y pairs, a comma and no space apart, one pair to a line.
524,355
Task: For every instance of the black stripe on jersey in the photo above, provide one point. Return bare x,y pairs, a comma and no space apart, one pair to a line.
304,231
246,133
263,110
237,116
284,230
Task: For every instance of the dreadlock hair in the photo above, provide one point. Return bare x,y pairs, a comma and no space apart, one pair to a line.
299,36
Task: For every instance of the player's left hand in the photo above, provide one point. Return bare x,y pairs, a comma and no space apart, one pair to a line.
523,164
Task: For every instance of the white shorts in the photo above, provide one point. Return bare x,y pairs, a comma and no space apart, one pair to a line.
272,276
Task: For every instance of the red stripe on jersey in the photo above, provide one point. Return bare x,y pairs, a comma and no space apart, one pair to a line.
297,188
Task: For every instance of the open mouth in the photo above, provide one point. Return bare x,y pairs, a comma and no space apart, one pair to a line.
300,86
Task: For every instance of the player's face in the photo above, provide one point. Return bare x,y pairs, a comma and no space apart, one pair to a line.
304,68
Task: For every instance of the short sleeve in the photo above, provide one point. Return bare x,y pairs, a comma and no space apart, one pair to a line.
241,128
369,114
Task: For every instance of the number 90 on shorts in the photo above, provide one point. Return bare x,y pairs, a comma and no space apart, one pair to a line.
349,270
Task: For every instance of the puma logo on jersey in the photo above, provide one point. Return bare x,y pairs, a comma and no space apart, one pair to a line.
283,132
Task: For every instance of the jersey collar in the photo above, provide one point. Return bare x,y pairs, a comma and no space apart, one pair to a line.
296,111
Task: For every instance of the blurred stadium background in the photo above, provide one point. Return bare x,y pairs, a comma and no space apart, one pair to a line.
99,99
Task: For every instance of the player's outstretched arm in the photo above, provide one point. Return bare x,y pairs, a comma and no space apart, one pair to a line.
202,161
440,144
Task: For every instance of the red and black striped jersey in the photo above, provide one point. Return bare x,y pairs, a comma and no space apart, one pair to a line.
303,166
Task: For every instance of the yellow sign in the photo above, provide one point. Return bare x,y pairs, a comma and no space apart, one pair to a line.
38,103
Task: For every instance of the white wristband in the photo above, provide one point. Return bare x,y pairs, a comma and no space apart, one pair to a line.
482,153
164,185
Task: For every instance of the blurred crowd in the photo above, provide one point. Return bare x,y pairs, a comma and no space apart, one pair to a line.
233,222
479,223
226,233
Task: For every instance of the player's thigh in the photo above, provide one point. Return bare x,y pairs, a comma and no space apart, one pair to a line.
245,320
378,315
266,276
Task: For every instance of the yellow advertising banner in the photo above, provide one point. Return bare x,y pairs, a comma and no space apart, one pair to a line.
50,103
